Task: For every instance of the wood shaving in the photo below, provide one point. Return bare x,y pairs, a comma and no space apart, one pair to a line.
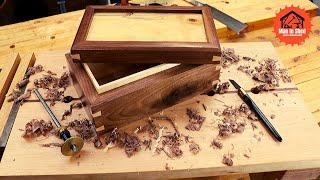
151,128
36,128
246,155
33,70
195,120
269,72
222,88
227,159
55,86
172,143
272,116
129,142
22,83
262,87
216,144
167,168
147,143
229,127
247,58
229,57
194,148
85,128
52,145
246,69
254,126
68,112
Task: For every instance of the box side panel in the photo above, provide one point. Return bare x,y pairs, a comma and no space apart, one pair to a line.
76,80
158,96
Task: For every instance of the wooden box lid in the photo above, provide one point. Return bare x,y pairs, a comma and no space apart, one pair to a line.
147,34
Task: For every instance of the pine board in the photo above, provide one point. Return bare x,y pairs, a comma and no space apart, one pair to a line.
293,120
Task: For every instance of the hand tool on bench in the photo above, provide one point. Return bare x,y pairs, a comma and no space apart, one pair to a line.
247,99
72,144
232,23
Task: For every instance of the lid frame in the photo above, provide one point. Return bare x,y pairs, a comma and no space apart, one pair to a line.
147,51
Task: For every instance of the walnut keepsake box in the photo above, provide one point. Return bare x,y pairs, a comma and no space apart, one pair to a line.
129,62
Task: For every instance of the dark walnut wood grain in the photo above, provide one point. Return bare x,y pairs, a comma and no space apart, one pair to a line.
147,51
144,97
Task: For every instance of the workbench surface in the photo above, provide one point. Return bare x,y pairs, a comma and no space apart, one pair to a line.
57,33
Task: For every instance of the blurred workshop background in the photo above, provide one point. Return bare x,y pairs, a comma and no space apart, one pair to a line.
14,11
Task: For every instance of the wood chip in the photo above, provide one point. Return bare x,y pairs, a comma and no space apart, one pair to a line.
229,57
52,145
222,88
195,120
36,128
194,148
262,87
227,159
216,144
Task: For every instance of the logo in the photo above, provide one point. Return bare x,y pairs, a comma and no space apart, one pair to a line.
292,25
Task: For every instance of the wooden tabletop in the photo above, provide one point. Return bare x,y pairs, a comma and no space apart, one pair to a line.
57,33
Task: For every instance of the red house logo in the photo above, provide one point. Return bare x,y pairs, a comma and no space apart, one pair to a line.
292,20
292,25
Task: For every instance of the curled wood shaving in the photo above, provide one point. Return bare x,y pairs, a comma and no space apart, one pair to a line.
55,86
229,127
262,87
22,83
68,112
222,88
85,128
229,57
246,69
129,142
36,128
227,159
172,143
216,144
33,70
194,148
195,120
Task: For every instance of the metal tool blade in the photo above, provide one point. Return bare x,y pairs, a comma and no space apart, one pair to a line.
236,85
232,23
11,119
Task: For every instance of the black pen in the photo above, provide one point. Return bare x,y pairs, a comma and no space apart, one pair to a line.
246,98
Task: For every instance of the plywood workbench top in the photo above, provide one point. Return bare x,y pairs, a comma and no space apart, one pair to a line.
292,119
57,33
